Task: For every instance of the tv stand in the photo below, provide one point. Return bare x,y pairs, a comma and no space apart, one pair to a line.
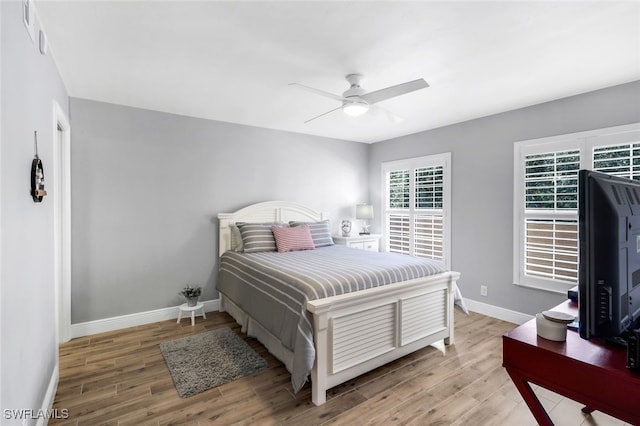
587,371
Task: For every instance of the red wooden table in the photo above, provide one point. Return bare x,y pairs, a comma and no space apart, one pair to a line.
590,372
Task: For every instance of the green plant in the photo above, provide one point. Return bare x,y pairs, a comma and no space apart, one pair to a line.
189,291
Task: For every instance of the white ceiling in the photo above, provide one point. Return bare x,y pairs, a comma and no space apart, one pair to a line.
232,61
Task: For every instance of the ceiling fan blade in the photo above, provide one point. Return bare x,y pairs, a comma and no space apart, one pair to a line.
393,91
317,91
378,111
325,113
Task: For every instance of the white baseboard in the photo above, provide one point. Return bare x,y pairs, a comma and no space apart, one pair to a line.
497,312
132,320
49,396
141,318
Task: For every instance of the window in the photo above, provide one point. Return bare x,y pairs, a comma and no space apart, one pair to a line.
546,199
416,206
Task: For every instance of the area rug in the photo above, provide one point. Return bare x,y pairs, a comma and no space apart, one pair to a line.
206,360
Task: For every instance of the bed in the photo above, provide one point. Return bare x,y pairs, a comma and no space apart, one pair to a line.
330,312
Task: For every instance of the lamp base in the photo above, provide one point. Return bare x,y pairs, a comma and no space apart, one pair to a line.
365,233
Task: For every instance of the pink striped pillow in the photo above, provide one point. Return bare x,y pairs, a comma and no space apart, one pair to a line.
293,239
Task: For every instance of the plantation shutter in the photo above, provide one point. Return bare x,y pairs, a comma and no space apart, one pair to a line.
429,216
618,160
399,193
415,207
551,215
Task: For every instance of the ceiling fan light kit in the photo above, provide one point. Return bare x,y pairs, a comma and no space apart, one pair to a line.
356,101
355,108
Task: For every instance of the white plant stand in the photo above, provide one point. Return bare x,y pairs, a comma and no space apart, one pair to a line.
191,309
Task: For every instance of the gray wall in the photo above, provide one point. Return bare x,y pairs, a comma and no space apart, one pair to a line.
28,348
482,183
147,186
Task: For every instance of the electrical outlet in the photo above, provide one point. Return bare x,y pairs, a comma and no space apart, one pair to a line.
483,290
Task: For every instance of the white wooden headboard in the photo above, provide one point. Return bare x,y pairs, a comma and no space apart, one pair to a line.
268,211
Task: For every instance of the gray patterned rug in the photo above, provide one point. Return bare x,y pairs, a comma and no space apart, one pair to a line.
206,360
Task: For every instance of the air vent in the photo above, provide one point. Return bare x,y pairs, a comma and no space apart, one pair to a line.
615,194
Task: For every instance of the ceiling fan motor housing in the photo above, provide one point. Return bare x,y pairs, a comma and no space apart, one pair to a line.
353,104
355,90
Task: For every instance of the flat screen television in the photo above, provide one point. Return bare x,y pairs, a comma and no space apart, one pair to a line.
609,272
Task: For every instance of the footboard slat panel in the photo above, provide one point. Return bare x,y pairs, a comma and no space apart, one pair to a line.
422,316
361,336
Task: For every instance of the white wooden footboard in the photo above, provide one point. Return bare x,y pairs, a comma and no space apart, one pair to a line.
357,332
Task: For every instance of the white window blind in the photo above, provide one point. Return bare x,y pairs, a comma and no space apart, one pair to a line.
619,160
398,230
429,216
551,249
416,206
429,236
551,180
546,236
551,215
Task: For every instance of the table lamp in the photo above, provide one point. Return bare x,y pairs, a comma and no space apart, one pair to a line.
364,212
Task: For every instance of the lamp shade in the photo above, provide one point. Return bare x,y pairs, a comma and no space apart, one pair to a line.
364,211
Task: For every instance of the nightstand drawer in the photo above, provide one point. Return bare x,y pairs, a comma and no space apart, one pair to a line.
371,245
362,242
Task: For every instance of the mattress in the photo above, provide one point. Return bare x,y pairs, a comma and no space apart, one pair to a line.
273,288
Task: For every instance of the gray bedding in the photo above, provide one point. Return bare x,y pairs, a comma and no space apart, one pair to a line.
273,288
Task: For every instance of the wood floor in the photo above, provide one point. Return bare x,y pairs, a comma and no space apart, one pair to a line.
120,378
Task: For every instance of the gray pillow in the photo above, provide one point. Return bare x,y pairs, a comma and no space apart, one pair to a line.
257,237
320,232
236,239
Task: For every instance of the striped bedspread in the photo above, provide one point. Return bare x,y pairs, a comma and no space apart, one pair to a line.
273,288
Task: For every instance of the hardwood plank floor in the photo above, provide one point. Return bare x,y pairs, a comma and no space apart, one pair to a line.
120,378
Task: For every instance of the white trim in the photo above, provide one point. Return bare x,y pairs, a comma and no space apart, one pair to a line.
62,237
49,396
604,132
132,320
497,312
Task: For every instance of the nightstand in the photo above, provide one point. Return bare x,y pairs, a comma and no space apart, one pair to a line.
369,242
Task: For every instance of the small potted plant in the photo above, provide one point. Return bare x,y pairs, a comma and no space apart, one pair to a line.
191,294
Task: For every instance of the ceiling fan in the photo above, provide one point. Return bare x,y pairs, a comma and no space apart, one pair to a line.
356,101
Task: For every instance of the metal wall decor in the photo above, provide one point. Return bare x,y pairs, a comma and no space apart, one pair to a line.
37,174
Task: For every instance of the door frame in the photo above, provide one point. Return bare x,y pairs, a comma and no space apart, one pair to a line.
62,221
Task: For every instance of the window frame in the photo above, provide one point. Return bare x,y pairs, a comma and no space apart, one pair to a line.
442,159
584,142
